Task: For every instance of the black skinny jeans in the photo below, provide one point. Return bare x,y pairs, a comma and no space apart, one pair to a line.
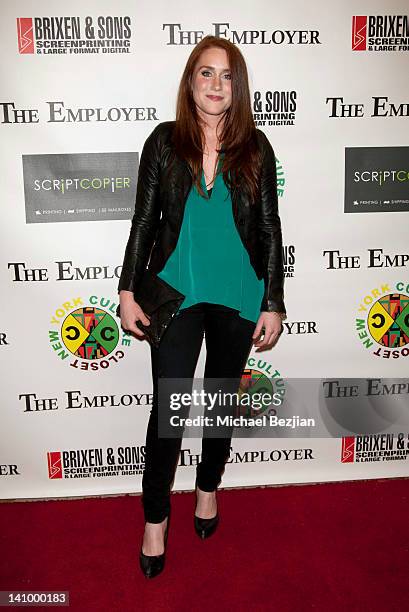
228,339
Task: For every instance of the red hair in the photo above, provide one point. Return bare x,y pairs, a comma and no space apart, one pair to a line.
241,161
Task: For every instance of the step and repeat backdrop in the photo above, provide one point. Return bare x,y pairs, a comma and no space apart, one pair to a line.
82,87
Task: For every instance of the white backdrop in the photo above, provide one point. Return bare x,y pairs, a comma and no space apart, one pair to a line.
49,445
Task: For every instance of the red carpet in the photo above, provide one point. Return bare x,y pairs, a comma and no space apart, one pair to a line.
329,547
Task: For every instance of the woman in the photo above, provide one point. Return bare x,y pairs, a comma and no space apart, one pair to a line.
206,222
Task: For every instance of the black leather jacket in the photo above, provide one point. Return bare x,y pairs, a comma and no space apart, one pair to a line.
159,210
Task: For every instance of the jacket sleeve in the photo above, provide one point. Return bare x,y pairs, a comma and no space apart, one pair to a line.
269,228
146,216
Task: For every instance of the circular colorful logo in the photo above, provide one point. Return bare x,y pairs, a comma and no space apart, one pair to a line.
86,335
90,333
253,381
382,323
388,320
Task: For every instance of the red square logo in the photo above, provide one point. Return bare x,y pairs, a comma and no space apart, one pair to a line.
348,450
359,32
54,465
25,35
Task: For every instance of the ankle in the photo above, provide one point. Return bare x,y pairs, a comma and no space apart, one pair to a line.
206,504
156,527
153,541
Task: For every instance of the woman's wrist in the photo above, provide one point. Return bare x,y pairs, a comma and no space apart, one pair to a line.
282,315
124,294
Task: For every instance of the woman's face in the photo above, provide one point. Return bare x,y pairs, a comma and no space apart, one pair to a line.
212,82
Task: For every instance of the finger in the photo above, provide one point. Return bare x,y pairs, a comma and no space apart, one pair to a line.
272,331
257,331
267,333
275,334
268,339
264,347
143,318
134,329
259,340
271,338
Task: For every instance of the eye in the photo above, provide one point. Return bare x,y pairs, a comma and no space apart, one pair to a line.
205,72
228,76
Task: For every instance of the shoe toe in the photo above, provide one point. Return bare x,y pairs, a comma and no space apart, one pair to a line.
151,566
206,527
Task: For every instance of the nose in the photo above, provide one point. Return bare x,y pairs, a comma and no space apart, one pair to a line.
217,82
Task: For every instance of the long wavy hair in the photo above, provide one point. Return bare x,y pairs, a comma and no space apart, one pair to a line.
241,159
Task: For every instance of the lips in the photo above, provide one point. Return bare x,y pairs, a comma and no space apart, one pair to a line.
215,98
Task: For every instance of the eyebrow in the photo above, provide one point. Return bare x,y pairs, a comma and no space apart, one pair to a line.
213,68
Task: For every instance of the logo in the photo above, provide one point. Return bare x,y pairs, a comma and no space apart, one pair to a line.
359,32
258,378
380,33
376,447
348,450
382,324
274,107
25,35
87,335
376,179
79,187
179,36
73,35
54,465
96,462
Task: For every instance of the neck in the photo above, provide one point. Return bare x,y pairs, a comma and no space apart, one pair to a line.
211,126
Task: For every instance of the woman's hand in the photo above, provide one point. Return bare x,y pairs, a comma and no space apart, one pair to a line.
131,312
271,321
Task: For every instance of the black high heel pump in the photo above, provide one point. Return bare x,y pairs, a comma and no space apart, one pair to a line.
152,565
205,527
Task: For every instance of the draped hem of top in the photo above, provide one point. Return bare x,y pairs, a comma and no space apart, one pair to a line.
210,263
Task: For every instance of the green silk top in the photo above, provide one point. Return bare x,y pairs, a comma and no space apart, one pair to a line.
210,263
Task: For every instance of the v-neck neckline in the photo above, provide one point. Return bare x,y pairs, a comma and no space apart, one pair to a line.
206,189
